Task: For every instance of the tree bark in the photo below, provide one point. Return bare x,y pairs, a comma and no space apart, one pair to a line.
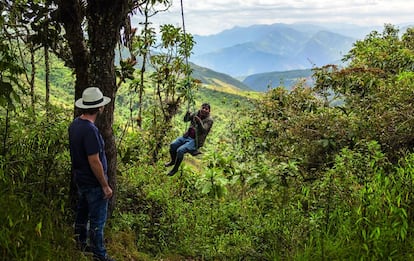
71,14
105,19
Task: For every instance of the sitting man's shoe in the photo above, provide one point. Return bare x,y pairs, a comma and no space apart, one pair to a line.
172,172
169,164
102,258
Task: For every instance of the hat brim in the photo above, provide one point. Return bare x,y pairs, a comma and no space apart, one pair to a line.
79,103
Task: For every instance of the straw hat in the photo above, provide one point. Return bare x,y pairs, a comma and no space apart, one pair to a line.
92,97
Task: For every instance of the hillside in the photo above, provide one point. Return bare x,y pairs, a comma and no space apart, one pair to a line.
252,83
210,77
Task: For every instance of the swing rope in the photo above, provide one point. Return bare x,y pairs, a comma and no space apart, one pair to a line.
189,94
187,84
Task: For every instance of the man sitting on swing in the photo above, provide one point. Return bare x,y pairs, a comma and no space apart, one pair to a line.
193,139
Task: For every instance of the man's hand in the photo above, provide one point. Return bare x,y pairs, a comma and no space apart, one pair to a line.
107,191
97,168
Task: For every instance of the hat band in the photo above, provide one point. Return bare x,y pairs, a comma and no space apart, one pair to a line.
93,102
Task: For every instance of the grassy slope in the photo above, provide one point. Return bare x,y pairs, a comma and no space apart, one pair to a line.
210,77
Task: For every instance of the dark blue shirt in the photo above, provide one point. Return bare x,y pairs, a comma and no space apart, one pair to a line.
85,140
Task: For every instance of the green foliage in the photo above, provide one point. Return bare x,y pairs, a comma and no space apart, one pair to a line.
385,51
35,147
30,233
360,207
376,89
34,184
171,70
337,151
9,72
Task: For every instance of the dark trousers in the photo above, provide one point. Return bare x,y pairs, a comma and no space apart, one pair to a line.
92,208
179,147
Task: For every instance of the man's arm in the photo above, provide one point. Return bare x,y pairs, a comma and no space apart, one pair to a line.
205,125
188,116
97,169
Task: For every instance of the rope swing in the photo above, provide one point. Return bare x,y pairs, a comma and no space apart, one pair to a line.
187,83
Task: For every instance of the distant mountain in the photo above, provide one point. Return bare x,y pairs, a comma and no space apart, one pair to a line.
234,36
265,48
323,48
349,30
263,81
243,59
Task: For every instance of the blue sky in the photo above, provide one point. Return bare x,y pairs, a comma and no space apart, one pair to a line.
206,17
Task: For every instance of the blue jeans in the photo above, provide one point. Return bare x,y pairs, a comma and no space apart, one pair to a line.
179,147
91,207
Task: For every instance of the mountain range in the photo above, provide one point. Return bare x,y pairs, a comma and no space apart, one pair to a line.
258,55
243,51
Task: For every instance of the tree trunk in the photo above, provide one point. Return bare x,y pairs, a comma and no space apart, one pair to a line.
71,15
105,20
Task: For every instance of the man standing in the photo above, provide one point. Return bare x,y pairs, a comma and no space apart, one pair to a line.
193,139
87,151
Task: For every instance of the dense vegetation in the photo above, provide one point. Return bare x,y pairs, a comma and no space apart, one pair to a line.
323,173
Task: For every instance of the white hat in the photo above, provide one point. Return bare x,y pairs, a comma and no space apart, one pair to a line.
92,97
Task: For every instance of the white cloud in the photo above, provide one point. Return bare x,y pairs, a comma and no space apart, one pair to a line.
212,16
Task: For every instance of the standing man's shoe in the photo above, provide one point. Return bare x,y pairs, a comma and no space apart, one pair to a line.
172,172
169,164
